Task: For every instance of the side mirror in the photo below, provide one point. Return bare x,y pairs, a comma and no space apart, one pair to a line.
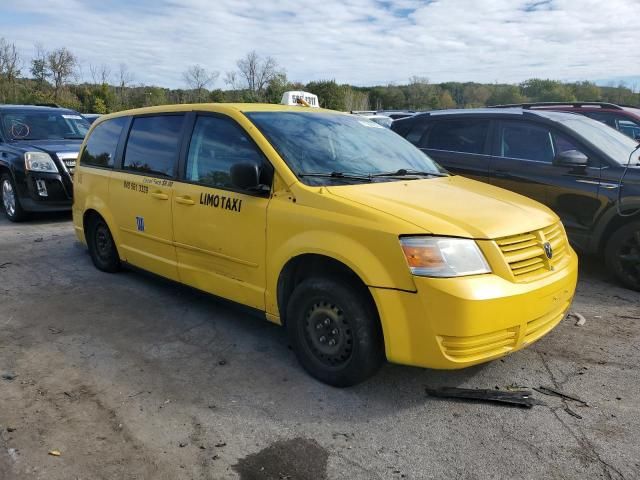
245,176
571,158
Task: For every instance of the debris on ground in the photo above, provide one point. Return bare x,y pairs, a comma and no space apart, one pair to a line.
11,429
221,444
580,320
222,362
38,240
521,398
182,444
9,376
556,393
55,453
54,331
572,413
5,264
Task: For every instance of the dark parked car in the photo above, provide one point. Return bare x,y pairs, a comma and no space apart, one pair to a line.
91,117
574,165
624,118
38,150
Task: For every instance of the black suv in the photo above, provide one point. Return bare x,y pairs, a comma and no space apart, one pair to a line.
38,150
588,173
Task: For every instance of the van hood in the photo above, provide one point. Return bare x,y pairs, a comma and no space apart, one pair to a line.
452,206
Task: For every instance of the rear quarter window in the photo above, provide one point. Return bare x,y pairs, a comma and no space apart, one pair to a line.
100,150
465,136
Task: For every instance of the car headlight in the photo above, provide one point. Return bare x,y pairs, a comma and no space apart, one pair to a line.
443,256
39,162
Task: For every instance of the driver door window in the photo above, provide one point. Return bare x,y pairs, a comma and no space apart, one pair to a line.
217,144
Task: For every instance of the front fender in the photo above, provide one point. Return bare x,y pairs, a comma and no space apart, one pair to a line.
385,267
599,236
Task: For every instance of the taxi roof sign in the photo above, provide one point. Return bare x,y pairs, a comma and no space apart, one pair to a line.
298,97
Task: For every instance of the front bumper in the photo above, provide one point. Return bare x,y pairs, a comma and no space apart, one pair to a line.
453,323
59,191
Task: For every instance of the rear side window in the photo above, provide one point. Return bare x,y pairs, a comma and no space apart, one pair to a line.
466,136
100,150
153,145
416,132
526,141
217,144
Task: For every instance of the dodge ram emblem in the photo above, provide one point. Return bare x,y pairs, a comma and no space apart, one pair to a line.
548,250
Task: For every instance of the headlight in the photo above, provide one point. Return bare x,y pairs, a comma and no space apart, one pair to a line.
39,162
443,256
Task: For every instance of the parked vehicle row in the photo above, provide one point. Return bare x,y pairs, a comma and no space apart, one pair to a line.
586,172
333,226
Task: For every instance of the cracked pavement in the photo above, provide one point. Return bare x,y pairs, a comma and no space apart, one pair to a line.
130,376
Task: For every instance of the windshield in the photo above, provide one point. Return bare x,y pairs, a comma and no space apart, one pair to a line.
43,125
617,145
325,143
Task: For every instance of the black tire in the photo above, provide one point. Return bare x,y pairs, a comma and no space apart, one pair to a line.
325,310
10,205
102,248
622,255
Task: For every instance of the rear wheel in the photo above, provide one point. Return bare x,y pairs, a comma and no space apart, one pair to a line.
102,248
10,201
335,331
622,255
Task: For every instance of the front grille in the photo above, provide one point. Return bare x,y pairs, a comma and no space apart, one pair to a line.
467,349
69,161
526,255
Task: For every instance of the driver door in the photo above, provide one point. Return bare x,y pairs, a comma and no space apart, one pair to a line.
219,229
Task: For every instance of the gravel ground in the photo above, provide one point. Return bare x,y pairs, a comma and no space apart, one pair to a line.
129,376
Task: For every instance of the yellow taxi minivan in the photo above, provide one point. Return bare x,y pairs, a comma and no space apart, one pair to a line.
333,226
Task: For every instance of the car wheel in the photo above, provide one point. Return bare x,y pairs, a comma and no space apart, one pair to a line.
622,255
335,331
102,248
10,201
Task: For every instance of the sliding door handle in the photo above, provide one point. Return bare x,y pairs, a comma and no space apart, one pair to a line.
160,196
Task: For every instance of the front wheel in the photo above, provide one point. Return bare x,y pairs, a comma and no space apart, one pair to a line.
622,255
10,201
335,332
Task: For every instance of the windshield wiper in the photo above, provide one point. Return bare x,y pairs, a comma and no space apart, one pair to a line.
403,172
341,175
73,137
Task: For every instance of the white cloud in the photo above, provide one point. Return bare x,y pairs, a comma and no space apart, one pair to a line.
362,42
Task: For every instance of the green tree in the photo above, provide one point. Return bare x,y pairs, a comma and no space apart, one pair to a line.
330,94
99,106
586,91
539,90
505,94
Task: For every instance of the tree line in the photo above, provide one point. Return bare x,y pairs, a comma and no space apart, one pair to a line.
57,76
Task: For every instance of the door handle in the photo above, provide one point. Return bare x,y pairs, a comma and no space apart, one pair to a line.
160,196
186,200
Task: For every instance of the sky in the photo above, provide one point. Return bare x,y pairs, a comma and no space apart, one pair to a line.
361,42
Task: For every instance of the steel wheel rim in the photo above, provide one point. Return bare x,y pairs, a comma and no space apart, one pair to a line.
103,243
629,257
328,334
8,198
